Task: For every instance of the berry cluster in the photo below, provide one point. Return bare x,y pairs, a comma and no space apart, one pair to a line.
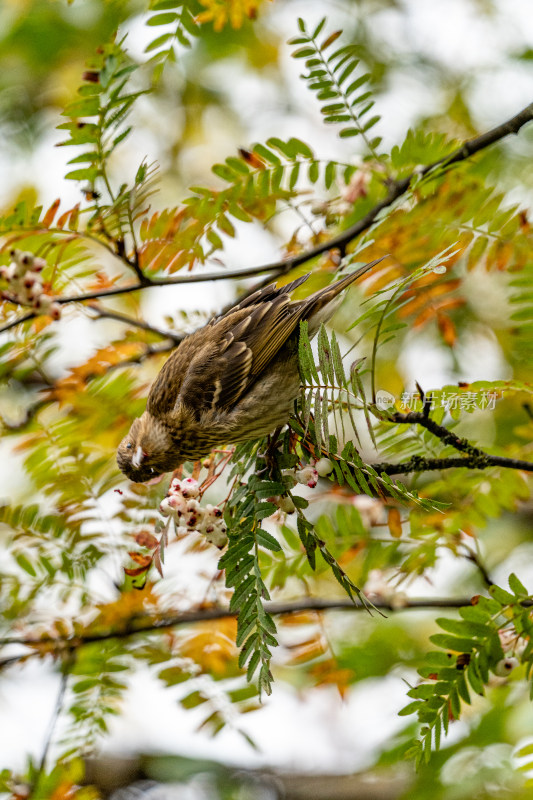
308,475
25,281
183,505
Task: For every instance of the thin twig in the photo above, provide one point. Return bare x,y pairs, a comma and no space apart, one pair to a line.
51,728
14,322
106,313
483,571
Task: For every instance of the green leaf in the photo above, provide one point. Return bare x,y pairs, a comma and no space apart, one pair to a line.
517,587
265,539
25,564
161,19
503,597
460,644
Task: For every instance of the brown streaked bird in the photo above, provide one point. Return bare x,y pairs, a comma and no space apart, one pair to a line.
234,379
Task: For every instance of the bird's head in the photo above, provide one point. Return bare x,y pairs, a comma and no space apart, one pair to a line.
146,451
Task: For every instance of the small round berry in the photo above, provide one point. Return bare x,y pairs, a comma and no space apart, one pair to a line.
55,311
43,303
324,467
35,291
213,511
307,475
38,264
189,488
177,503
217,536
505,666
286,504
165,507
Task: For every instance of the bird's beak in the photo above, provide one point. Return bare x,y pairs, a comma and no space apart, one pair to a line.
137,457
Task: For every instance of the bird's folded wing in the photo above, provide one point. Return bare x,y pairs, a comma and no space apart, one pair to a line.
224,371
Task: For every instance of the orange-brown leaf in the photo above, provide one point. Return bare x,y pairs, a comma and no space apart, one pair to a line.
331,38
146,539
447,329
74,218
50,214
252,159
157,562
135,571
328,672
98,364
139,558
307,651
213,647
63,219
422,297
446,304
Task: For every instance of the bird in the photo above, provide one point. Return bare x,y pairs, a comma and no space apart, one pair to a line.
233,380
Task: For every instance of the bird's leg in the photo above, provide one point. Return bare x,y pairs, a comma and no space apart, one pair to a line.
269,455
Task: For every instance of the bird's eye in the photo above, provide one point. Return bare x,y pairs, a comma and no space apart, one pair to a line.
152,470
129,446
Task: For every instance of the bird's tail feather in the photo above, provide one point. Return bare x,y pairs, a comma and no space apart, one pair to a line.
321,305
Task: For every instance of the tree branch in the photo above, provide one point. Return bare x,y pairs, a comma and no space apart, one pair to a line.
440,431
210,614
421,464
475,458
400,187
396,190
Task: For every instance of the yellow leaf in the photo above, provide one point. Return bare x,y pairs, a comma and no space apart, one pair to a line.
395,522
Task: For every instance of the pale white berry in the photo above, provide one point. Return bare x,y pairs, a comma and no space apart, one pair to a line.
38,264
216,534
189,488
8,272
505,666
35,290
165,507
24,257
43,303
177,503
324,466
308,476
213,511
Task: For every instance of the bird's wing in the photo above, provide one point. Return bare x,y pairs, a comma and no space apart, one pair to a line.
212,367
269,292
233,357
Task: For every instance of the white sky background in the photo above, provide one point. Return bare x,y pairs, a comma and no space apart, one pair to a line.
316,731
